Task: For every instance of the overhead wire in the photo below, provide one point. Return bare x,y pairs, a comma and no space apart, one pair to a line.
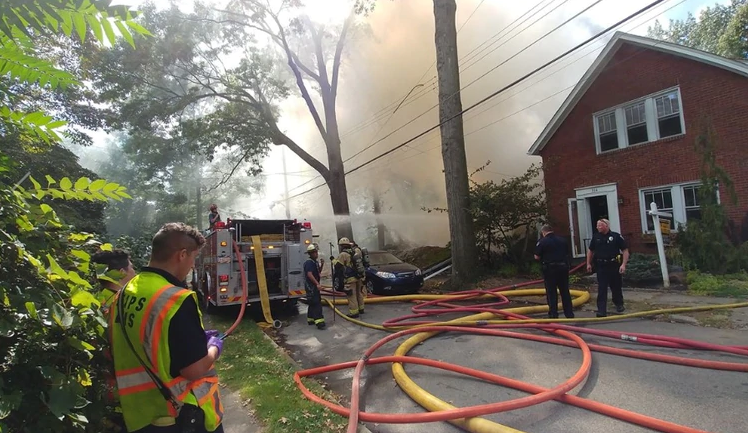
492,95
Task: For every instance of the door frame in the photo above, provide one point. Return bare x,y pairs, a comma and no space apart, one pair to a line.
584,229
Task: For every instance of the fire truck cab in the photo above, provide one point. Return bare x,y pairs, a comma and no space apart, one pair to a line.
216,276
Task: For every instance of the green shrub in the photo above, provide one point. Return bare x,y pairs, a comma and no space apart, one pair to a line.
643,268
730,285
508,270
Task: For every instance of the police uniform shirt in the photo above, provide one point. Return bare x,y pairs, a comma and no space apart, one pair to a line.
551,249
607,246
187,341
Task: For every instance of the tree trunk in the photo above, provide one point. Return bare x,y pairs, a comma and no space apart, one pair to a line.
381,230
462,234
199,200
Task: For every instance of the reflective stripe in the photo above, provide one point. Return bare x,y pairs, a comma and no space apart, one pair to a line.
138,380
318,321
154,315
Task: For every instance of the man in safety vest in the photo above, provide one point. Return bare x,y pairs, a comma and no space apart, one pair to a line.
117,272
354,277
163,357
118,268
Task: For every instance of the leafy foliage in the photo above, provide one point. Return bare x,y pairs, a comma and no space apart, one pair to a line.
705,244
22,24
720,29
505,215
732,285
51,327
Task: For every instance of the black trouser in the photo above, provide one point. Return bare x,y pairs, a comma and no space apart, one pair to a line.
556,276
608,275
314,311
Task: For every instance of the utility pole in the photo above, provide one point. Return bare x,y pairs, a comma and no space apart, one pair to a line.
381,230
461,231
285,184
199,199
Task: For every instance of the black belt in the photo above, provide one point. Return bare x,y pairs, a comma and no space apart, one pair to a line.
555,264
606,260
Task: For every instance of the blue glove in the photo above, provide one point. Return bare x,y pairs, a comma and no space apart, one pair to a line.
217,343
211,333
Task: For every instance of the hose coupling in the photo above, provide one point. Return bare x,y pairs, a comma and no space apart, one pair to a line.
628,337
481,322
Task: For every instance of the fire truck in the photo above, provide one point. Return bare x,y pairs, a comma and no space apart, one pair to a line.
281,245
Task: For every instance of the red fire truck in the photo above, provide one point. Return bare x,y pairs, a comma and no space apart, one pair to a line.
282,247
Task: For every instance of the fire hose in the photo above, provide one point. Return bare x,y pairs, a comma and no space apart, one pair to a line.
492,320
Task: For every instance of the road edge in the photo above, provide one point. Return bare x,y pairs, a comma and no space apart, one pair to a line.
362,428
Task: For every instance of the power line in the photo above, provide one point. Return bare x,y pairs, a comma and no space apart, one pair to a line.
381,113
531,85
494,94
491,70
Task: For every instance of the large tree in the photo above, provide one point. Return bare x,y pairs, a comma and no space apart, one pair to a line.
215,79
719,29
462,233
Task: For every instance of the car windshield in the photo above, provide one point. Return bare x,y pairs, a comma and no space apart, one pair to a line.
383,259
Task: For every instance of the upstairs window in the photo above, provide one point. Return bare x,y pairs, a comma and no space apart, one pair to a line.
642,121
608,133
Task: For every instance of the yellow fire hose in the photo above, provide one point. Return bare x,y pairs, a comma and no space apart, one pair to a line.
263,286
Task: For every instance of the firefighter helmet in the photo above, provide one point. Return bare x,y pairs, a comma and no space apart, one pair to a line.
344,241
311,248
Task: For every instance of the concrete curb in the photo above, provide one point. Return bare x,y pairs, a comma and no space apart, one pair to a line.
361,427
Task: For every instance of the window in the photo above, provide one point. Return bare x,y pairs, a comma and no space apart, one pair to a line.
649,119
668,115
636,124
608,136
681,200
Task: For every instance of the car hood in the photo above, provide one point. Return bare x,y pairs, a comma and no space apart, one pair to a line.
396,268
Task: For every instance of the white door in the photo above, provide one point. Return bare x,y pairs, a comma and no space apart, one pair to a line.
579,227
594,194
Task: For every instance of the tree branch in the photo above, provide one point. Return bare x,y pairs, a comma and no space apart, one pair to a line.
339,54
283,139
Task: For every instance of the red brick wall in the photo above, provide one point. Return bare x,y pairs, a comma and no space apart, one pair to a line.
570,160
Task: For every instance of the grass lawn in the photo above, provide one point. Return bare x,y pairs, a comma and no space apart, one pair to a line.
253,366
731,285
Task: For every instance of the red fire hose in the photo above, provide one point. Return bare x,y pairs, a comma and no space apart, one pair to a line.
496,301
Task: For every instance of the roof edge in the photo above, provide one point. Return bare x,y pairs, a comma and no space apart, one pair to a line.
618,39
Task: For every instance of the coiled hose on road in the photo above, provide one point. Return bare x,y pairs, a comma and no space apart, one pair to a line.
491,320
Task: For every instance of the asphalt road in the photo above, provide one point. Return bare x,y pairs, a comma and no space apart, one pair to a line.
714,401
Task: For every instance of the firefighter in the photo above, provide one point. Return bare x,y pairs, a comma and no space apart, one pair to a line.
355,275
163,357
314,315
213,216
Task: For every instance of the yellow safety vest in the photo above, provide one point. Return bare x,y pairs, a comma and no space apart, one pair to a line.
150,304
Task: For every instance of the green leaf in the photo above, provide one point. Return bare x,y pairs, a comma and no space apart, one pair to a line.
106,247
84,378
95,25
37,185
81,255
138,28
10,402
109,30
46,208
62,316
125,33
62,398
84,298
50,181
56,268
78,344
31,308
82,183
74,278
66,184
97,185
80,24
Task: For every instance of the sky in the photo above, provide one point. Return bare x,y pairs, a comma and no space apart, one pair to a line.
384,67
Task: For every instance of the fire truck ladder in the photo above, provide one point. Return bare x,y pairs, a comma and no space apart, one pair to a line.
263,286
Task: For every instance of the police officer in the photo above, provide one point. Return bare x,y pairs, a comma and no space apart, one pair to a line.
611,253
553,253
314,315
163,357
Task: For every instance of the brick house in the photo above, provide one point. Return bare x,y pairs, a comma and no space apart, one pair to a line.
624,137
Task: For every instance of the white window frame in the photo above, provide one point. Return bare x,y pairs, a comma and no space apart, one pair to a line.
679,203
653,128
